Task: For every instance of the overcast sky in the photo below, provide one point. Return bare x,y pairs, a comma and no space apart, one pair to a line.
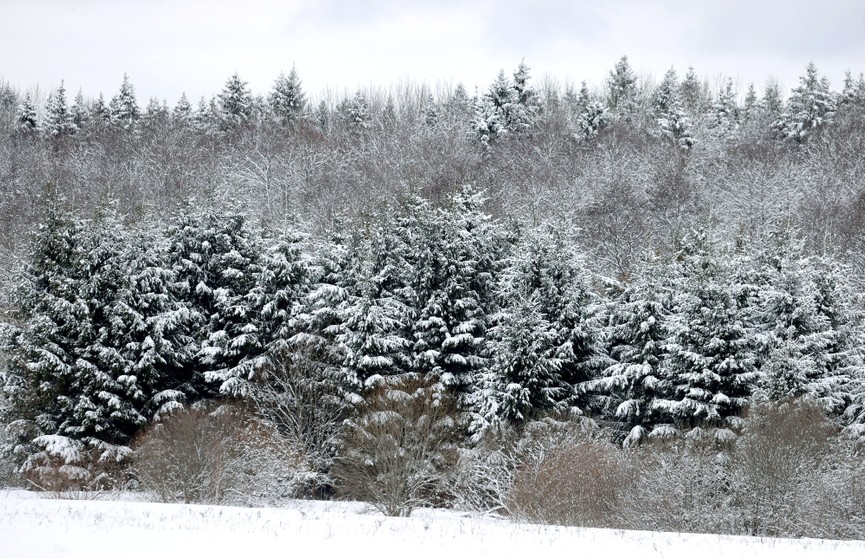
171,46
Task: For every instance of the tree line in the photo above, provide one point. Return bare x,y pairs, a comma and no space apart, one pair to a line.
655,256
113,327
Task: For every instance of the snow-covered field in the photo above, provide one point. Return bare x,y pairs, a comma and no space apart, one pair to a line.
32,525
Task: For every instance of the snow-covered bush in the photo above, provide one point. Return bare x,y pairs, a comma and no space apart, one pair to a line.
307,406
397,452
579,480
789,474
778,471
58,464
216,456
679,487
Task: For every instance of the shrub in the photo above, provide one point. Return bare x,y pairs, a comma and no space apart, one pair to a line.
776,471
399,448
220,456
678,487
577,481
58,464
306,406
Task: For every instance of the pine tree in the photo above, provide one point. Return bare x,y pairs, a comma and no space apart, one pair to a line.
354,113
156,114
206,118
725,109
528,106
235,104
750,105
41,352
431,112
693,92
592,119
807,331
282,284
27,122
90,362
811,107
622,87
80,112
182,114
124,107
215,260
377,318
57,121
851,102
545,340
100,111
637,333
287,100
490,120
711,365
667,108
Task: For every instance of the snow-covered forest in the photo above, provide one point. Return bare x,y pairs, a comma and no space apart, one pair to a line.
623,298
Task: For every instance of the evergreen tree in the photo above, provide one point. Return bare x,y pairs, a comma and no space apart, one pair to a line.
182,114
377,332
431,111
545,341
282,284
355,113
672,120
811,107
636,333
80,113
156,114
499,112
693,92
809,345
57,121
592,119
27,122
711,365
41,363
235,104
527,100
622,87
852,100
751,104
215,260
93,357
287,100
725,109
100,111
124,107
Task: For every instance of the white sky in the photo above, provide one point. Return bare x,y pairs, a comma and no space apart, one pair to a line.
171,46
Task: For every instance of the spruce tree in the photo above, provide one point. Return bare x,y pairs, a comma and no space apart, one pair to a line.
377,322
667,109
811,107
622,88
123,109
545,339
287,100
711,364
80,112
636,332
57,121
26,122
215,261
235,104
93,356
182,114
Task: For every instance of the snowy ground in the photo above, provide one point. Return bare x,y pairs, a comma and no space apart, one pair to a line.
34,526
